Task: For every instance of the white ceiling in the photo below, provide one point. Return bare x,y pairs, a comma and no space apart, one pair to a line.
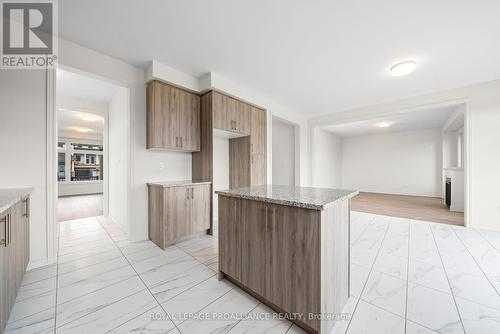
69,121
312,56
83,87
407,121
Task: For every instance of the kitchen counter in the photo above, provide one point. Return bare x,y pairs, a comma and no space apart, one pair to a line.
301,197
9,197
180,183
288,246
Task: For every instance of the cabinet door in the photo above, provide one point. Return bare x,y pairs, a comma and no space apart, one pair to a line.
258,147
256,255
230,243
242,118
162,116
188,121
221,112
200,210
26,227
4,274
296,277
178,222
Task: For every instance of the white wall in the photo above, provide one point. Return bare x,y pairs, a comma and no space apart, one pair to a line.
450,149
221,170
327,160
119,157
79,188
23,147
407,163
283,153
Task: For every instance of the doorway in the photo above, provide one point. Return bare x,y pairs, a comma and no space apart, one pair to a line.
284,141
83,108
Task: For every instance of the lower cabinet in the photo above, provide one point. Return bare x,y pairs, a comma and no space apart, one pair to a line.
178,212
14,255
273,250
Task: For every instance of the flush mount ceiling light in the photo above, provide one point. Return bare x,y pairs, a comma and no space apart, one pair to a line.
82,130
403,68
384,124
90,118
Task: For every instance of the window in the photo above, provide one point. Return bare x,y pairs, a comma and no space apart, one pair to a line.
86,147
61,166
85,162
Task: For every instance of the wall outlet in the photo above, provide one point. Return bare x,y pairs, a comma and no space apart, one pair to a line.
161,165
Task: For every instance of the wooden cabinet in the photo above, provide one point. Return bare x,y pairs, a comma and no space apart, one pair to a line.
256,253
177,212
200,207
230,237
294,258
173,118
14,255
258,147
231,114
4,271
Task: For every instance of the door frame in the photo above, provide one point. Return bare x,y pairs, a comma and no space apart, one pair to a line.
296,135
52,139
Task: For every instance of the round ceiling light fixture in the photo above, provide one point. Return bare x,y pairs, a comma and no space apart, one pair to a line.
384,124
403,68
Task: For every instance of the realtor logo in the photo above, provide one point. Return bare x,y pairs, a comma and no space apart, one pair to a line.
29,38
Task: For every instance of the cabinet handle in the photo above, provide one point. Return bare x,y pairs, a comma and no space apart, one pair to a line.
187,190
3,242
26,208
181,142
176,141
9,230
192,193
266,218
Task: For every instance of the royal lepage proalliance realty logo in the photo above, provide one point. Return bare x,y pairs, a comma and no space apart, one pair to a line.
29,35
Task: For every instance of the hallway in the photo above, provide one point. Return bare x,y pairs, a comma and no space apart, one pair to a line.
76,207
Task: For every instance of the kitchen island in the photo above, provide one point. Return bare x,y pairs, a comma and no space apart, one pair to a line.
288,247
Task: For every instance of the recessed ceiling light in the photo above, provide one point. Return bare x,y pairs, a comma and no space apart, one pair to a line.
384,124
403,68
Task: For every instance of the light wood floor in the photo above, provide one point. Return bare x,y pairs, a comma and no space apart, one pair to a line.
413,207
75,207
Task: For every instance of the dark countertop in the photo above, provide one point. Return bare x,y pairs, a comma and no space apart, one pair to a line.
302,197
9,197
181,183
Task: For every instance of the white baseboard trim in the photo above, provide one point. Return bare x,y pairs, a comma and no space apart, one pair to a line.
38,264
486,227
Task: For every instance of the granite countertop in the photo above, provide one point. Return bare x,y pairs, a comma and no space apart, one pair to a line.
180,183
302,197
9,197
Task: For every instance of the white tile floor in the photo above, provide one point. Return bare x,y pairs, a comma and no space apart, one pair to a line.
406,277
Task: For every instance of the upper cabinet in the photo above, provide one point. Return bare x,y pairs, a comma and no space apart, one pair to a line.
230,114
173,118
258,147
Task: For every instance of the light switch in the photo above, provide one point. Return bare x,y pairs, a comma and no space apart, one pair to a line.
161,165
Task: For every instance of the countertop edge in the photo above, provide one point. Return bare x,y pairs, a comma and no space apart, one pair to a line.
286,202
19,195
180,184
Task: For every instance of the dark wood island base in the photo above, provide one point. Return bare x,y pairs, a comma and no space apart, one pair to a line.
289,248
